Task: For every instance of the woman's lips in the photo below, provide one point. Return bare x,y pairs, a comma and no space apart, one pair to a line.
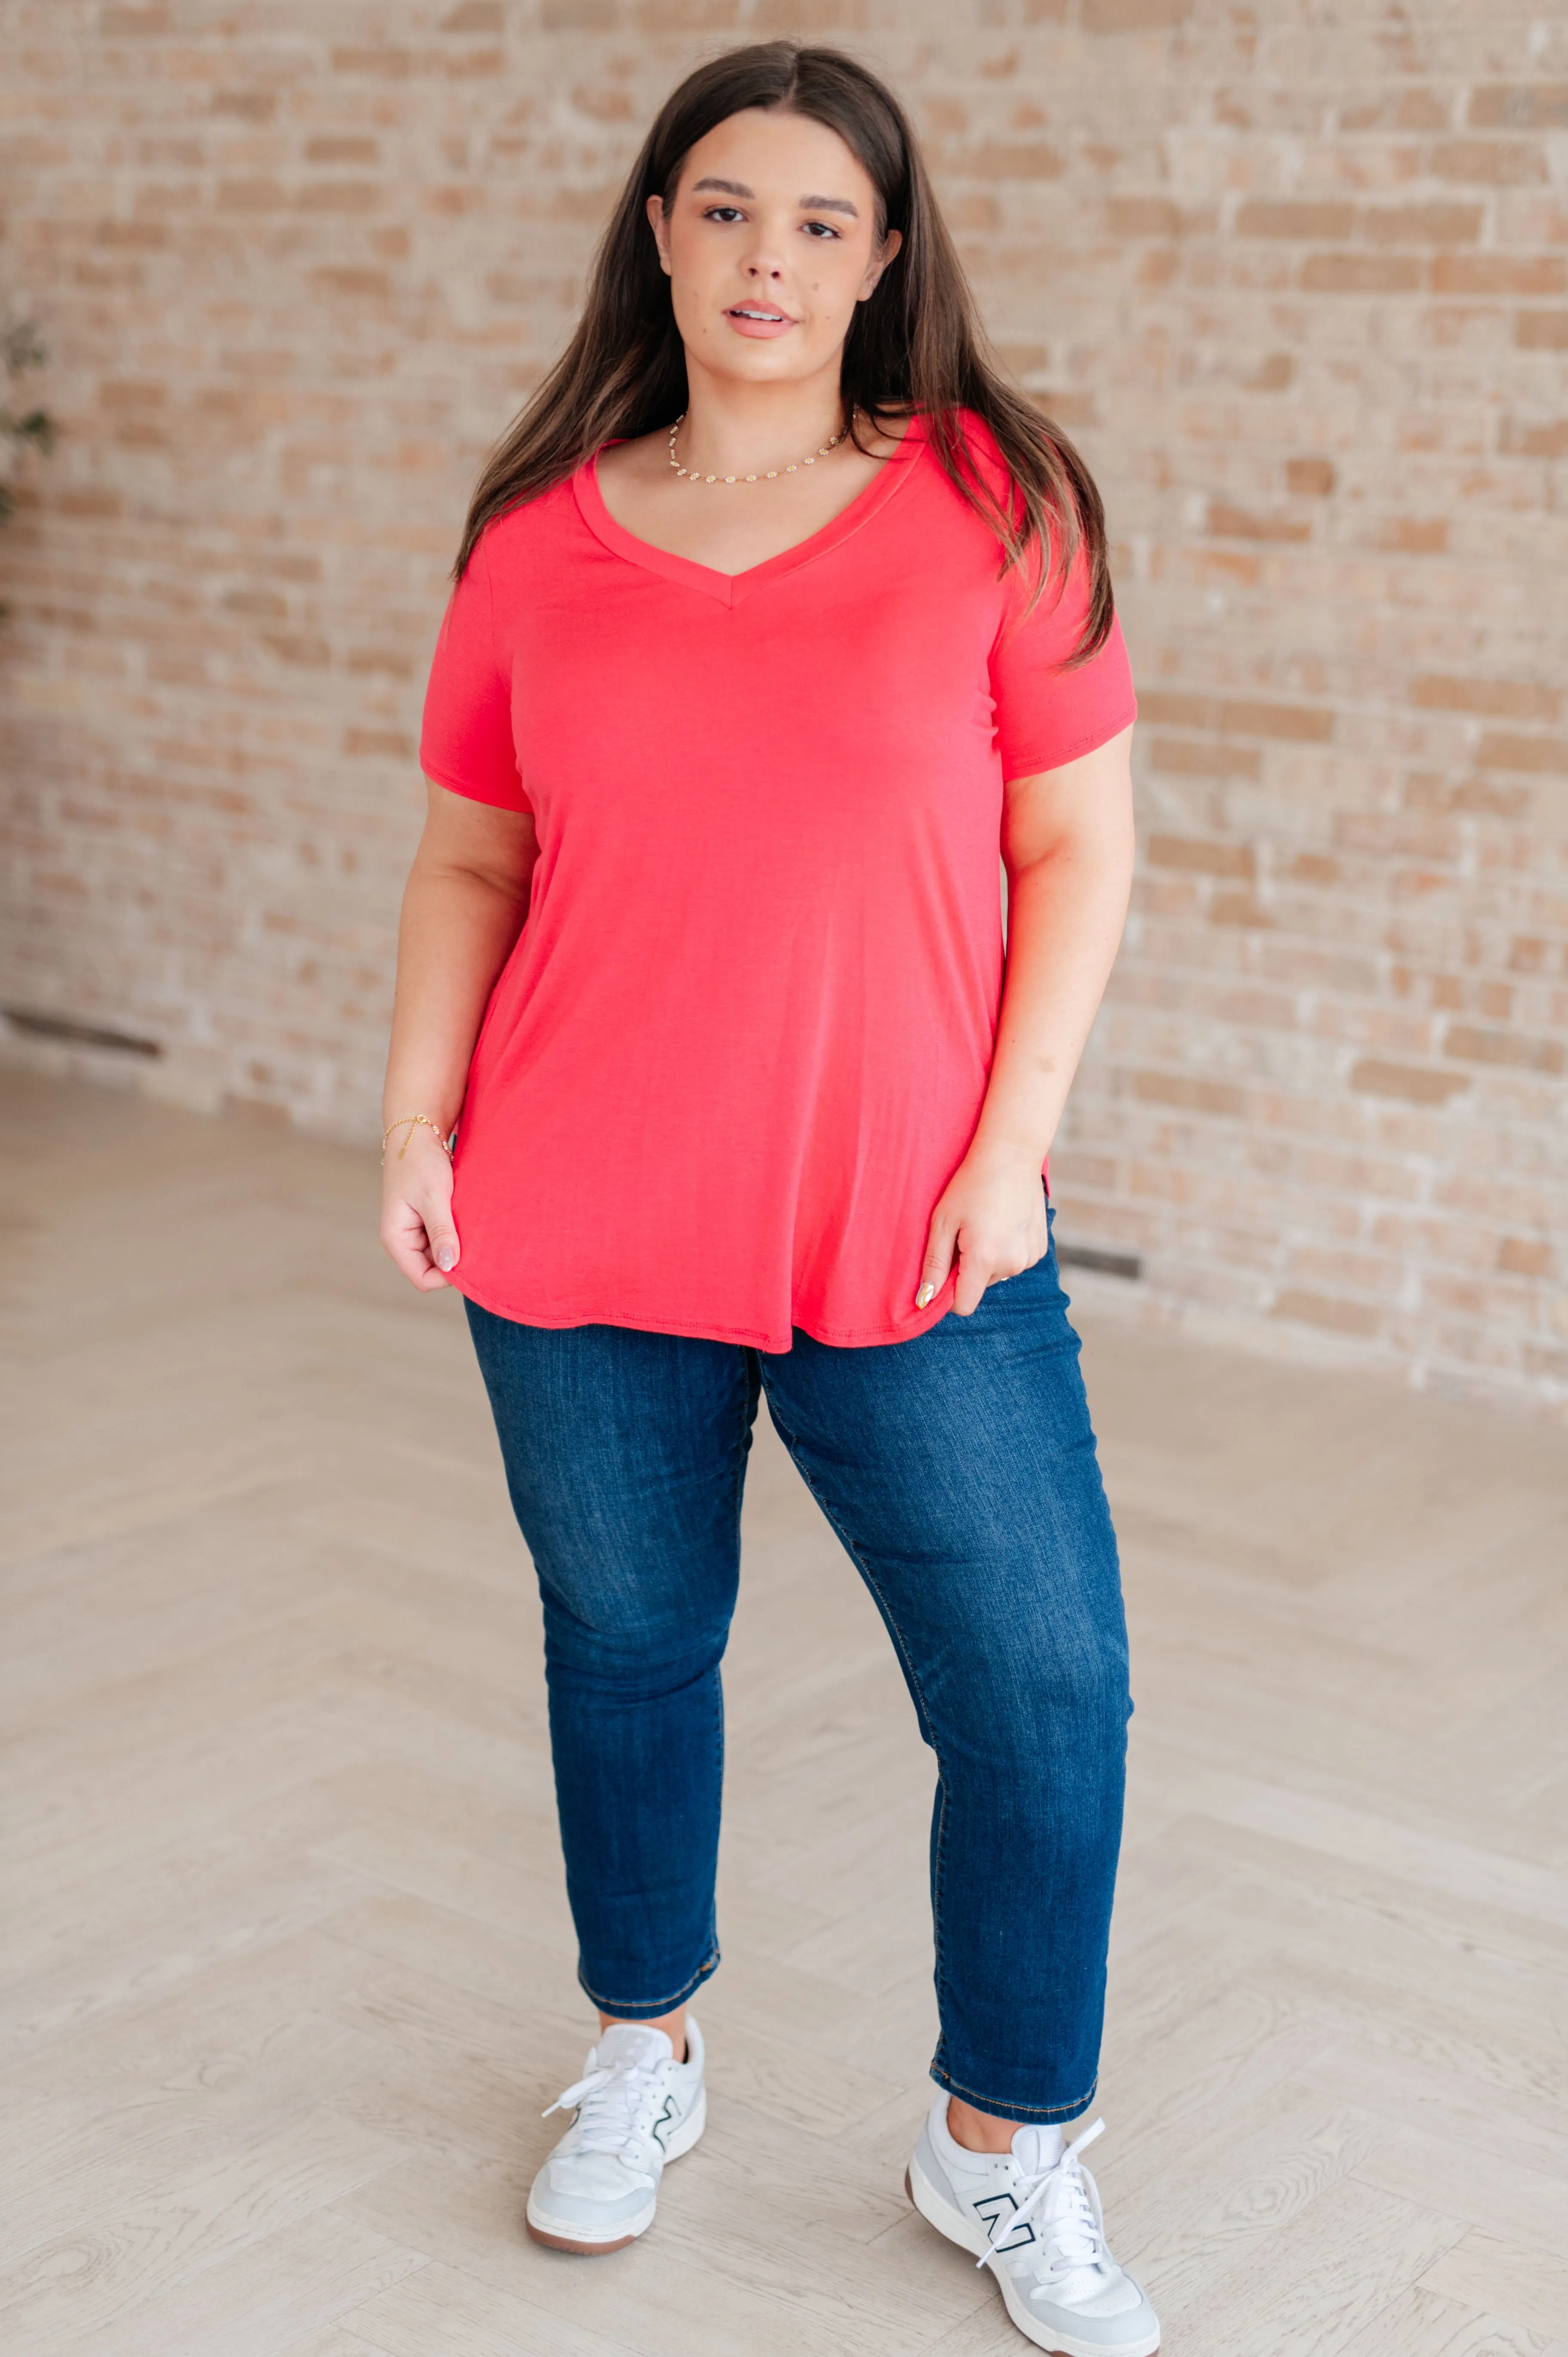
745,326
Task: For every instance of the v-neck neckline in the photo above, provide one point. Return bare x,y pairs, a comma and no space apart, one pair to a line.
731,588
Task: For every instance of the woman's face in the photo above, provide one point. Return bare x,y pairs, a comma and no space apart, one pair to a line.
769,245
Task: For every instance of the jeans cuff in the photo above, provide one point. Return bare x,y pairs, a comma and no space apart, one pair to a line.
1027,2115
647,2008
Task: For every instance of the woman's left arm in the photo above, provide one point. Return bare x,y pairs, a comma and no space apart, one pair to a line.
1066,844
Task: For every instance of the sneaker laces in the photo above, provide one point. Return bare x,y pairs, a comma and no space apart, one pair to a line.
1063,2195
609,2102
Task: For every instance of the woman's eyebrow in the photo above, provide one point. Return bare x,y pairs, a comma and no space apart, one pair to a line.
807,204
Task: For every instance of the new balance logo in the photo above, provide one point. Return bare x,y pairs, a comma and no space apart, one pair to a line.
994,2208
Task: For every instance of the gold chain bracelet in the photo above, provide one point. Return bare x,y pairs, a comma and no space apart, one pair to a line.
411,1122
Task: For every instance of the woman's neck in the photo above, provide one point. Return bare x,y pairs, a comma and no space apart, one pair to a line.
745,429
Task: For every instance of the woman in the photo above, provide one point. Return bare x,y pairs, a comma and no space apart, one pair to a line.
777,614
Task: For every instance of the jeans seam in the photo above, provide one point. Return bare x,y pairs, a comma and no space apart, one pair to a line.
938,1972
652,2005
742,1453
870,1579
901,1643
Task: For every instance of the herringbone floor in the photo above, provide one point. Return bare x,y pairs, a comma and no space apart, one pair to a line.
288,1971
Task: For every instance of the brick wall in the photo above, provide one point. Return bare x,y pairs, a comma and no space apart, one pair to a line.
1299,286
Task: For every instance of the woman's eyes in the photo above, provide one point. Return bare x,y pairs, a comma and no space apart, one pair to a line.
733,212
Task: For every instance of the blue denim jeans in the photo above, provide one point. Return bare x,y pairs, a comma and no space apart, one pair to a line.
959,1469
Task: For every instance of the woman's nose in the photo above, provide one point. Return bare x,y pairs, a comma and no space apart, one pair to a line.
764,261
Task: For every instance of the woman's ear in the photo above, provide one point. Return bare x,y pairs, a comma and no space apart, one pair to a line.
656,222
879,263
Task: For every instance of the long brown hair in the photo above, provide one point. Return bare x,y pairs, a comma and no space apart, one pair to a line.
915,346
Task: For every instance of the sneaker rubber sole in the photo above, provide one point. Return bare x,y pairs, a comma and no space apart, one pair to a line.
939,2212
562,2234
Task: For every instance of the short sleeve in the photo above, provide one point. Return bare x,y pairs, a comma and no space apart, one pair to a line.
466,743
1046,715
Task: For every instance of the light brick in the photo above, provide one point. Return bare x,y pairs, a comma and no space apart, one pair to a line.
1541,331
1498,274
1511,699
1205,760
1507,161
1474,1046
1535,106
1282,218
1302,296
1497,750
1415,535
1339,1316
1520,441
1291,723
1362,274
1198,858
1142,216
1435,224
1190,1093
1013,159
1238,909
1241,524
1133,16
1412,1081
1229,717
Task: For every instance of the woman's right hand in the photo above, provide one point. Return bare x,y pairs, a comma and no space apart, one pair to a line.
417,1207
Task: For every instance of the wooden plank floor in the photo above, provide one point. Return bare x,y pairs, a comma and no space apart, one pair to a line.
287,1974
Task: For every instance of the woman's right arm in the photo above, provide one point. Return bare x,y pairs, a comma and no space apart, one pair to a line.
463,909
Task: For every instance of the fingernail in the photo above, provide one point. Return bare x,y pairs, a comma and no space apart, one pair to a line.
446,1258
924,1295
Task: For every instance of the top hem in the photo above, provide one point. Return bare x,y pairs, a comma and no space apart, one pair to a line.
1103,732
852,1337
472,792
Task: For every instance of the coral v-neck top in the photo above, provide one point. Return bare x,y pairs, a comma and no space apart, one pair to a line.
743,1040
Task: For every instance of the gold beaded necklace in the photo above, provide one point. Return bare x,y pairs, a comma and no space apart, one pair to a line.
693,475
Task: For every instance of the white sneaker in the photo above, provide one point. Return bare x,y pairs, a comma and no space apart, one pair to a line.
1033,2214
636,2107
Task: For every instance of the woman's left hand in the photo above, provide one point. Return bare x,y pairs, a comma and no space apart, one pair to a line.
990,1216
